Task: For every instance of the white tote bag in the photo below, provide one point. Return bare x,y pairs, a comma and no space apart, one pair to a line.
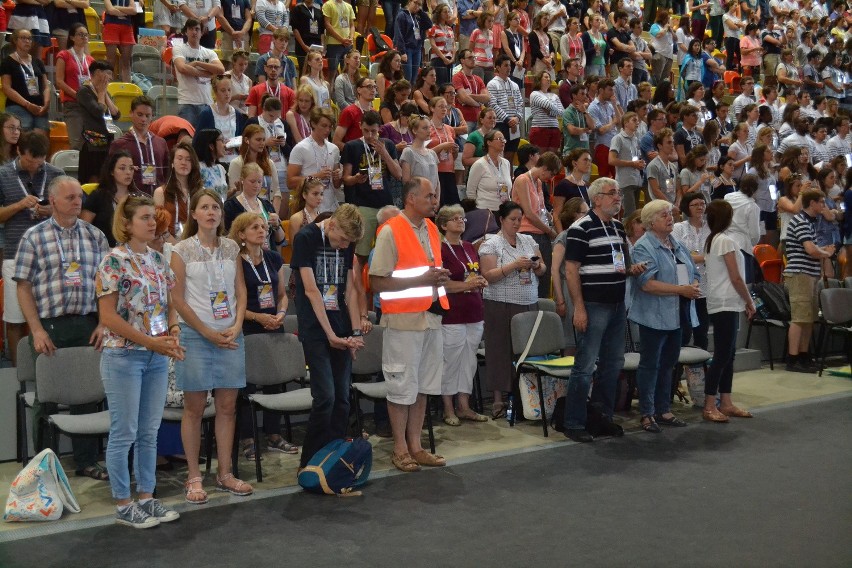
40,492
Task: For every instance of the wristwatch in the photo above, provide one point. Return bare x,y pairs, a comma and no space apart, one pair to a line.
356,333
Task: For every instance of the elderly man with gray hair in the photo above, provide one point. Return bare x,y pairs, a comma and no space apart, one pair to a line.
596,268
55,269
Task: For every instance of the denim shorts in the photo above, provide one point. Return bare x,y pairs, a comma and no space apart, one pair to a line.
206,367
28,121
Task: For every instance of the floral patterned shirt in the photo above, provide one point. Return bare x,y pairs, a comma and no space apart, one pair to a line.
140,281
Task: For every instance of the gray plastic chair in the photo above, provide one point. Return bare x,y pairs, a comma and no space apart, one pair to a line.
548,340
72,376
26,374
275,359
837,315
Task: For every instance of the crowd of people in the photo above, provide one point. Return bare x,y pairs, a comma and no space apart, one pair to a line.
636,200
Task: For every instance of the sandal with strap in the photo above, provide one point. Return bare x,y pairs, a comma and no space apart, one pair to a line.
404,463
239,488
95,471
250,451
281,445
650,425
473,417
498,410
190,492
429,460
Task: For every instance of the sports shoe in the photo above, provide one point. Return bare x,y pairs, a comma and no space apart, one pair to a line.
580,436
134,516
156,509
799,366
610,428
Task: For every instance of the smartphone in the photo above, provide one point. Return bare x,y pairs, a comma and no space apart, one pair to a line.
534,258
363,171
44,202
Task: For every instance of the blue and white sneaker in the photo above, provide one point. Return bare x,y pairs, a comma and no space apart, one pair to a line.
134,516
156,509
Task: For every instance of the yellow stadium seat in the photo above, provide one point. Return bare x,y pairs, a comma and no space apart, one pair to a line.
93,22
2,97
97,49
377,103
89,188
255,36
593,175
295,65
123,94
58,137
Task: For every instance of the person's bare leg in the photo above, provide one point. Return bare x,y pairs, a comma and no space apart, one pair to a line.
190,434
414,426
449,407
398,415
805,337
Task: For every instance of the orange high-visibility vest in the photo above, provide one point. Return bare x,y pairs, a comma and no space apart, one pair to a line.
411,263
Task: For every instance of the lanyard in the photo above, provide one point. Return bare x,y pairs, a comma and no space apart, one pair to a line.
369,154
24,189
304,127
177,213
495,169
27,67
215,256
464,250
336,258
438,133
138,262
323,150
244,202
265,268
150,149
81,64
469,86
277,93
57,229
581,187
610,239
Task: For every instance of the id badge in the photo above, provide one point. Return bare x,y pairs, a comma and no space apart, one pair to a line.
149,175
235,12
264,296
275,155
313,27
374,174
82,79
108,120
489,53
584,137
444,156
708,115
524,276
329,298
670,190
158,324
219,303
618,261
344,22
199,4
417,33
32,85
773,192
73,275
504,192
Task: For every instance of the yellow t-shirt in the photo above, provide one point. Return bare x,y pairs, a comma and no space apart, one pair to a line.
341,17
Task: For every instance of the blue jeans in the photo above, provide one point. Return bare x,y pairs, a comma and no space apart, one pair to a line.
135,382
191,113
331,377
603,344
412,66
391,9
658,354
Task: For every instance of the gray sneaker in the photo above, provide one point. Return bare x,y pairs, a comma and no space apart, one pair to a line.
134,516
156,509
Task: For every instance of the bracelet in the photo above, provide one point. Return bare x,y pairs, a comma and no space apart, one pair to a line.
174,325
364,317
356,333
280,312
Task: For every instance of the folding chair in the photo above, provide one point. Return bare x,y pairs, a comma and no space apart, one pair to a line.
837,318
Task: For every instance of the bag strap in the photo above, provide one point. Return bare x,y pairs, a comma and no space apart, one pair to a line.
537,323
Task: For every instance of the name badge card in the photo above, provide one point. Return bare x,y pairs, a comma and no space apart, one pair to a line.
264,296
525,276
158,324
74,275
219,303
149,174
618,261
329,298
375,175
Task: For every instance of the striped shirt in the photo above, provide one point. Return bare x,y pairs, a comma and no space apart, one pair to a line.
506,99
268,13
592,244
482,45
40,262
545,108
442,38
838,146
801,229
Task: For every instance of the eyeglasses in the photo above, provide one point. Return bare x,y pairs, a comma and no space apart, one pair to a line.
82,34
368,87
449,93
458,219
615,194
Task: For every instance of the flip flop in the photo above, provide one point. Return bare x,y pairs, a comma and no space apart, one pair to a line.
498,411
473,417
452,421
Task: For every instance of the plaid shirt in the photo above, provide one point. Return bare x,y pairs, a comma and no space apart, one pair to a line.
39,261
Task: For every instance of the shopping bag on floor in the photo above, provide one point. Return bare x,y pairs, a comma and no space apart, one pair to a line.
553,388
695,383
40,492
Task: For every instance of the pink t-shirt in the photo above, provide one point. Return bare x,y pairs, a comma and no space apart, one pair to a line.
446,162
74,70
753,58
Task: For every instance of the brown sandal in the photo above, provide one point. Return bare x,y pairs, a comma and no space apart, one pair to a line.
404,463
190,491
429,460
735,412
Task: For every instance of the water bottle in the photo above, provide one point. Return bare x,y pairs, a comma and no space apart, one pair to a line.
758,305
510,409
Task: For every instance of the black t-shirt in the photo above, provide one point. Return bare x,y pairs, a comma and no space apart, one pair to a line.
233,209
624,37
274,262
330,267
100,202
568,189
300,19
770,47
689,140
362,194
19,74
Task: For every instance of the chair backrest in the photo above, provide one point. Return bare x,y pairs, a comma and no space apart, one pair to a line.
548,338
88,188
848,282
274,358
772,269
836,305
66,159
145,52
765,252
546,305
71,375
155,91
291,324
374,69
369,359
26,369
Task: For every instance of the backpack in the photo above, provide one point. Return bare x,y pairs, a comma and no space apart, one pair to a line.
775,300
338,468
141,81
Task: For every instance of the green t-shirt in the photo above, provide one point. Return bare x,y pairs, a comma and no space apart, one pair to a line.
573,117
478,142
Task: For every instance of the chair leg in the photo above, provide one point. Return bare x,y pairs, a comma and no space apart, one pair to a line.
821,349
541,403
429,427
769,347
208,442
256,433
289,427
517,403
748,334
356,404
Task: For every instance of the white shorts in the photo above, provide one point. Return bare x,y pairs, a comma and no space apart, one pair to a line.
460,343
412,364
11,308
